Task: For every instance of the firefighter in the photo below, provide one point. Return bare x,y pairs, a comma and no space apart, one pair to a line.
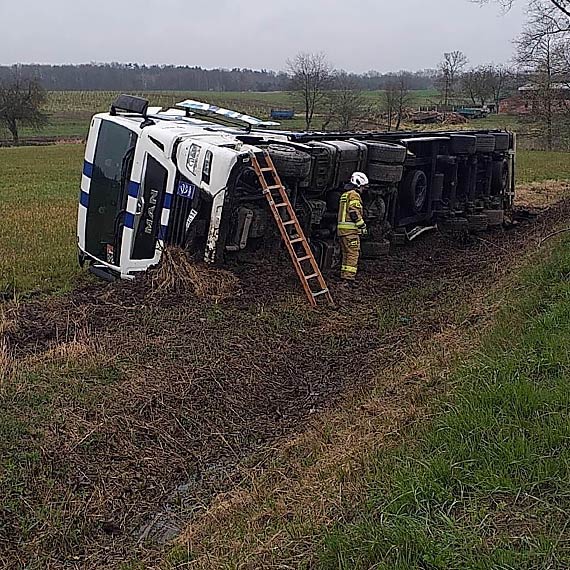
351,225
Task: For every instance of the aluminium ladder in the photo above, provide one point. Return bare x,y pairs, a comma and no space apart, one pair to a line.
299,249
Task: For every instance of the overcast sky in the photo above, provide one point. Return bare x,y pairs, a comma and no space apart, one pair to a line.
357,35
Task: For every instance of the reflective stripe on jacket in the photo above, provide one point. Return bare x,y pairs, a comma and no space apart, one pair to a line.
350,208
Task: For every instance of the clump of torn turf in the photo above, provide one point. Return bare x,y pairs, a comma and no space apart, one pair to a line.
177,273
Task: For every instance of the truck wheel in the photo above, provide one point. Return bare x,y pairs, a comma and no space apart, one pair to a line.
496,217
290,162
463,144
387,153
385,172
478,223
502,141
414,190
485,143
500,177
455,225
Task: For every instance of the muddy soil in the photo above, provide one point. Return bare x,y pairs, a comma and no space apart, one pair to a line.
200,389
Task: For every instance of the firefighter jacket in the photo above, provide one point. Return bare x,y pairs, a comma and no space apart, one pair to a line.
350,220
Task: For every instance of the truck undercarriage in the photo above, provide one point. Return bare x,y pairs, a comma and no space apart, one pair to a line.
457,180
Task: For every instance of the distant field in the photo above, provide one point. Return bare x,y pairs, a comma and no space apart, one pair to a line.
70,111
93,101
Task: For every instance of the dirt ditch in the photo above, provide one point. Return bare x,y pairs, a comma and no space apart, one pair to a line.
166,395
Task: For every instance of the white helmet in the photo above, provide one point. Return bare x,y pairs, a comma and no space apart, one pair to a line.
359,179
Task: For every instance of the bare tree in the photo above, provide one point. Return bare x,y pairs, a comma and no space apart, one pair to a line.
476,85
543,56
500,83
345,103
21,102
561,6
310,75
486,83
557,12
449,70
396,98
390,102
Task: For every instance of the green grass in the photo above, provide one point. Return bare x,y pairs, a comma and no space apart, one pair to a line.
486,485
537,166
39,187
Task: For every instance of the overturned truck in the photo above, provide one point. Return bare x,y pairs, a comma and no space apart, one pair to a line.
184,177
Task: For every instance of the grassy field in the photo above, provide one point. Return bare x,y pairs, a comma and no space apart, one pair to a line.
39,187
486,484
481,484
537,166
38,202
474,478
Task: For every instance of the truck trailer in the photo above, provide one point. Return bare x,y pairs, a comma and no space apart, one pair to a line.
184,177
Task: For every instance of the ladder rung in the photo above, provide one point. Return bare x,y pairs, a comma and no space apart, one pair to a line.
301,259
297,240
266,169
319,293
281,205
307,277
275,187
289,223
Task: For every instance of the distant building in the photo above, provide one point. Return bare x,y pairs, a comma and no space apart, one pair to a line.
526,100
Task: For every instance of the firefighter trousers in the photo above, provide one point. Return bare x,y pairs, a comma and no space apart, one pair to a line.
350,247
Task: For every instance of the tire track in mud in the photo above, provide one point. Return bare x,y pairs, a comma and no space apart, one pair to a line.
202,388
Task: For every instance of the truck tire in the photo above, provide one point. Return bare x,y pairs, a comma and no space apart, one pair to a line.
502,141
478,223
414,190
387,153
455,225
463,144
290,162
500,177
378,172
374,249
485,143
496,217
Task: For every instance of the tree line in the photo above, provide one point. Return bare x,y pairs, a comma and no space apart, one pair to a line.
135,77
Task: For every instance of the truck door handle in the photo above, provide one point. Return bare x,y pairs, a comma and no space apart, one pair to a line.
140,206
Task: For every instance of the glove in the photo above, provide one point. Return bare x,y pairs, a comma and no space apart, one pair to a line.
364,230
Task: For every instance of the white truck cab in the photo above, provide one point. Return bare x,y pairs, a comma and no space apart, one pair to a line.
137,168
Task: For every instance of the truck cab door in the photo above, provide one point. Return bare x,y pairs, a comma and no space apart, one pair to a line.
148,209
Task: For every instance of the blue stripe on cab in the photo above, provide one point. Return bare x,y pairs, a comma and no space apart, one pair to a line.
134,188
129,220
84,199
88,169
162,232
167,201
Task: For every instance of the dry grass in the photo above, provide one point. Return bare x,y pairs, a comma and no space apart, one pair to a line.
312,481
542,194
176,273
6,362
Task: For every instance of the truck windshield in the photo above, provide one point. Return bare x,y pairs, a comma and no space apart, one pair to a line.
107,197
